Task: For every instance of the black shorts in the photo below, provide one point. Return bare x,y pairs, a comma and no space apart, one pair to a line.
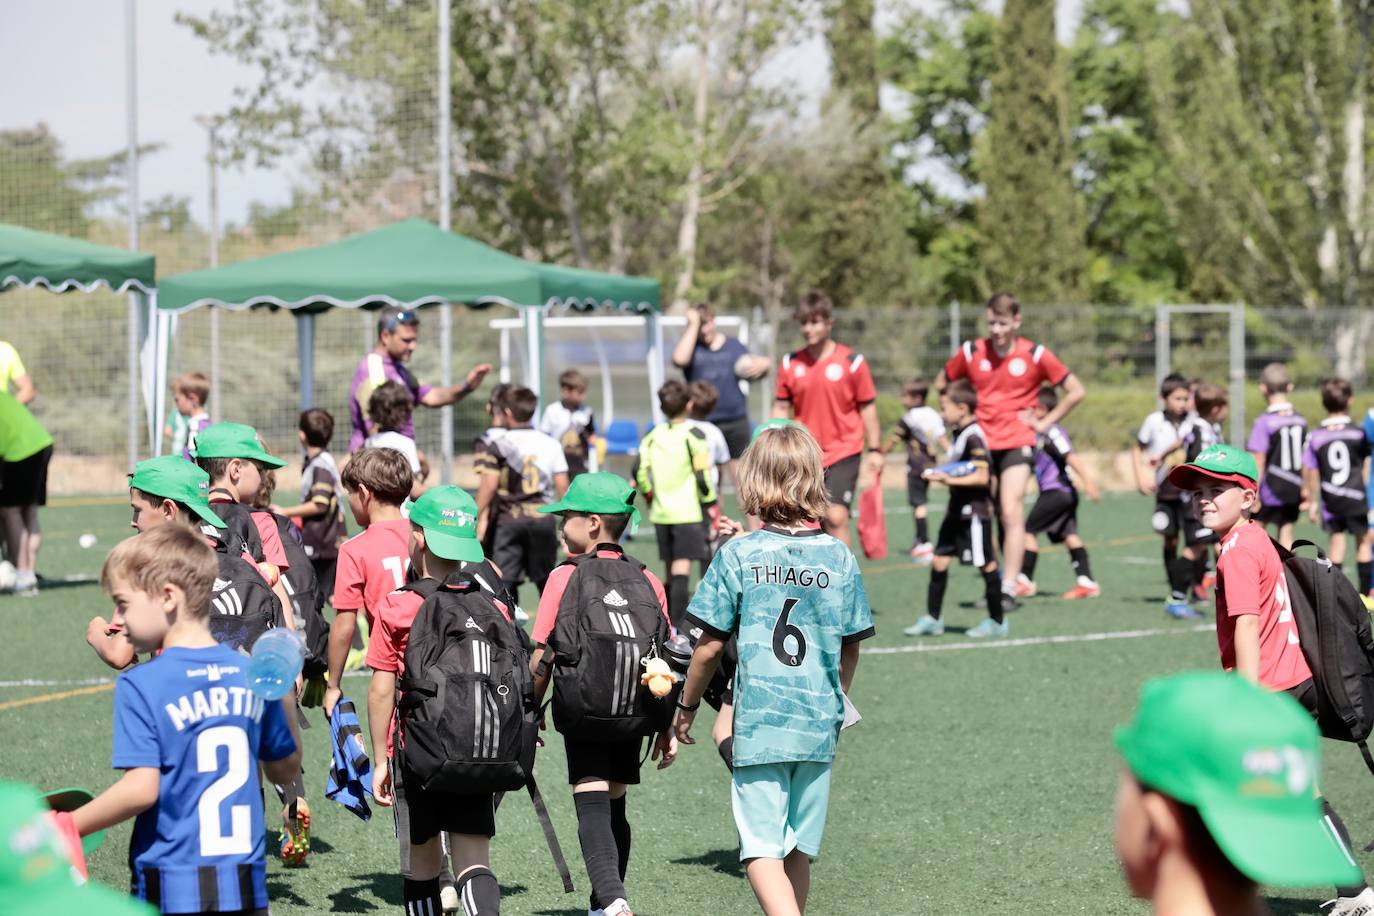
1277,515
25,482
683,542
525,549
1055,515
736,433
1174,517
613,761
841,479
1352,524
916,489
967,537
324,576
999,459
1306,694
421,816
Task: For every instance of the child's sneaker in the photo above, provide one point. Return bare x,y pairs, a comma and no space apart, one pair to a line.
1179,609
922,554
521,615
295,837
1209,580
926,626
26,584
989,627
1086,588
1025,588
617,908
1359,905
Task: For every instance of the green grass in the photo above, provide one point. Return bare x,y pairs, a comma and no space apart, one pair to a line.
979,781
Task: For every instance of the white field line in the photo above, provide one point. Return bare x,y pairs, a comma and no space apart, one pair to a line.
97,681
936,646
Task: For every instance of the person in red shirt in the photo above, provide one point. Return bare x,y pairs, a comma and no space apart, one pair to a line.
827,387
1008,371
1256,633
373,563
437,548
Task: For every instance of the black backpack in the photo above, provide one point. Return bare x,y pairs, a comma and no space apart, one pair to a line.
241,534
1334,632
307,601
242,605
609,622
467,696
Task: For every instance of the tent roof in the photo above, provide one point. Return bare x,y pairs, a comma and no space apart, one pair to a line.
32,258
409,263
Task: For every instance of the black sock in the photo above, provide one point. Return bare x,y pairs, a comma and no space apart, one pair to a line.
1180,577
1078,557
1365,569
1028,564
597,838
478,893
992,590
922,530
620,829
1199,568
1334,820
727,752
677,599
935,592
422,897
1169,558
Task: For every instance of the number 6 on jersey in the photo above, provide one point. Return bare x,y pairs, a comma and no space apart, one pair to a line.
782,630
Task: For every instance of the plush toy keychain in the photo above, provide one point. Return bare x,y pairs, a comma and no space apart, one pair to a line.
657,676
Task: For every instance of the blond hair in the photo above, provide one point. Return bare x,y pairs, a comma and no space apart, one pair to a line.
780,477
168,554
194,384
1275,379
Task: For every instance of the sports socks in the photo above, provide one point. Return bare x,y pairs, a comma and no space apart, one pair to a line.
422,898
992,590
478,893
597,838
726,749
1028,564
677,602
1334,822
922,530
1180,576
620,829
1366,568
935,592
1078,557
1200,564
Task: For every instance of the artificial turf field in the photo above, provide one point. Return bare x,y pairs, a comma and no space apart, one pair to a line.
980,780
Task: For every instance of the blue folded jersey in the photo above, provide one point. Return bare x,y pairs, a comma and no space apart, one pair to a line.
350,772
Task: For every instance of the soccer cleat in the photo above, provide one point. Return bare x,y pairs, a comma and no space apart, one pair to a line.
1181,610
1025,588
295,837
926,626
448,898
1083,590
355,659
1359,905
1201,594
922,554
989,627
1368,602
1209,580
26,584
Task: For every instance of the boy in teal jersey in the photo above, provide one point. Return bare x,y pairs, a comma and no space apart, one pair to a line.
795,599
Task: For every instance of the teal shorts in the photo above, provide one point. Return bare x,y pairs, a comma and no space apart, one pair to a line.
780,807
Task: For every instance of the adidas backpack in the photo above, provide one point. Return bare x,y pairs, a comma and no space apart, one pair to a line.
467,696
307,601
1334,632
609,622
242,605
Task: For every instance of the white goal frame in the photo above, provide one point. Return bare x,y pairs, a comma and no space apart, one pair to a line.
1236,374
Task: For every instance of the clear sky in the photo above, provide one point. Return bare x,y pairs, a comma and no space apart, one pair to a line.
62,62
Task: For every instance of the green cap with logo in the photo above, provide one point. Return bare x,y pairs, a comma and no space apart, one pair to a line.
234,440
36,877
173,477
1217,462
448,516
602,493
1247,759
775,423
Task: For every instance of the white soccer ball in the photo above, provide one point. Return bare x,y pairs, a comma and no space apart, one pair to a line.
8,576
87,541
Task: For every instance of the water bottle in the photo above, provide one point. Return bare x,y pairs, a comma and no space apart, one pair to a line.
678,653
275,663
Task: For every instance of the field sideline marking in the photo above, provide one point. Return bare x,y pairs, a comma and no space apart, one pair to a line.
51,697
1036,640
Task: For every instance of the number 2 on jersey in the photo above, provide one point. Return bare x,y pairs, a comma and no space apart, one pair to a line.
213,840
782,630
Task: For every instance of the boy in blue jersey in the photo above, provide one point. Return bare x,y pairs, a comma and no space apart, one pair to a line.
794,597
187,730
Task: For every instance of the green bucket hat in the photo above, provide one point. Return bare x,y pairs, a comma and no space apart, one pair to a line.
173,477
775,423
234,440
1247,759
602,493
36,877
448,516
1217,462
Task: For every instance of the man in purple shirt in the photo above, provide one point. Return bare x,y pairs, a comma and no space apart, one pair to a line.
398,331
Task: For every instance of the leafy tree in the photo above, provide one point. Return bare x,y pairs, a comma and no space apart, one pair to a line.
41,189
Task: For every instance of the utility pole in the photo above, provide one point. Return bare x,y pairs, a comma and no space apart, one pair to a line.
211,124
445,223
131,202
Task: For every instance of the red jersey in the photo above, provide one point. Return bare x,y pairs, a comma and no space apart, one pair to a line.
826,396
552,595
1250,581
272,550
1006,386
372,565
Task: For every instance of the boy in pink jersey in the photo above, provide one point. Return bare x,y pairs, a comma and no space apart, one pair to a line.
1256,633
374,563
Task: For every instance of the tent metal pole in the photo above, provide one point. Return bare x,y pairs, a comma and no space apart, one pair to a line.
445,168
534,348
134,318
131,176
305,356
654,359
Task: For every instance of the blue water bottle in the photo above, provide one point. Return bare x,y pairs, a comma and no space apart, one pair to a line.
275,663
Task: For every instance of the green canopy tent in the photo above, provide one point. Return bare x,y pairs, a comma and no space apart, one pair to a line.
411,263
32,259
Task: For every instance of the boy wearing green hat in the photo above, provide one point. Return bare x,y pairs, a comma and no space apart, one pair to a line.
1216,798
593,515
1256,634
443,541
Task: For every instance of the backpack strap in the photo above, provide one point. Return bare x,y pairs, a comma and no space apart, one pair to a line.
422,587
1303,542
550,837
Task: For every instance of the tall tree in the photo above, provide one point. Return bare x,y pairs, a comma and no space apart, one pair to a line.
42,189
1030,218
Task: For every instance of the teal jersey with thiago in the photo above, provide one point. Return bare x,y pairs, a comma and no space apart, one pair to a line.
794,600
